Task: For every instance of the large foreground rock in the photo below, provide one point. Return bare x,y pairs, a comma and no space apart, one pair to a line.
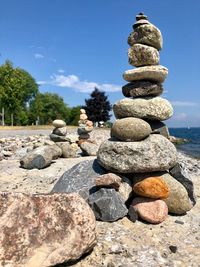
44,230
143,55
155,153
107,205
40,157
153,73
80,178
152,108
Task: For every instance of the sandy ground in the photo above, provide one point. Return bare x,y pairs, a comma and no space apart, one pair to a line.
175,242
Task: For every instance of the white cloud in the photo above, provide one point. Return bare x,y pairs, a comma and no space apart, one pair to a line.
184,104
38,56
73,81
60,71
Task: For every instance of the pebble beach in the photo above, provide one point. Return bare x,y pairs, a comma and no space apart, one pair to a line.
175,242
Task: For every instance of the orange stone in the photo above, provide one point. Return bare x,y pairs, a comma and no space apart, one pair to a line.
152,187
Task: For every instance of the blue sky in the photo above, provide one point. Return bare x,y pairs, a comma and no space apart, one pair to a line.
70,46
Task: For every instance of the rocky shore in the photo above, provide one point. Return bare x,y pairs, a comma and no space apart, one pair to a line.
174,242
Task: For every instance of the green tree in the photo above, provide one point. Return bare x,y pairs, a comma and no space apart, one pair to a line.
17,89
47,107
98,106
74,115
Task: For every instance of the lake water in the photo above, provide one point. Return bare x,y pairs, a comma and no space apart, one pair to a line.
191,148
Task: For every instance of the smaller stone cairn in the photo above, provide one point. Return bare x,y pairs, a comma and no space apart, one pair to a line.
85,126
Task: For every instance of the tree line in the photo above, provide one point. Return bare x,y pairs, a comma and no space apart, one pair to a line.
21,102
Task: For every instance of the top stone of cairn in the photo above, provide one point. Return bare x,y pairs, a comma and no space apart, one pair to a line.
145,33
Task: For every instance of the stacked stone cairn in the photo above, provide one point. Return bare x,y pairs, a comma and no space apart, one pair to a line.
87,145
67,142
137,150
85,126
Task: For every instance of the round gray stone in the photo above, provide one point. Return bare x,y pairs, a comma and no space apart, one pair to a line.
61,131
147,34
155,153
154,73
152,108
59,123
142,88
130,129
143,55
178,201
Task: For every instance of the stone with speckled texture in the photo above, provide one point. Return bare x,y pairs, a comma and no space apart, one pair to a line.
152,108
44,230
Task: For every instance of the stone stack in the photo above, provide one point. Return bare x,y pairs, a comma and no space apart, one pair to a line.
85,126
137,148
67,142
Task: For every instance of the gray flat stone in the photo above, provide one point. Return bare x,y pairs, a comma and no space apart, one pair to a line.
152,108
142,88
152,73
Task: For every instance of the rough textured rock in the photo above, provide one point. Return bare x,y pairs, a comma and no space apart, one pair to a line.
147,34
107,205
153,73
143,55
152,108
89,149
58,138
142,88
152,211
130,129
180,173
152,187
125,189
44,230
159,127
80,178
109,180
40,157
59,123
68,151
60,131
178,201
152,154
85,130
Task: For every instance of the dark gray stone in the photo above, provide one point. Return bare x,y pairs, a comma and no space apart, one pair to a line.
142,88
132,214
159,127
80,178
180,173
58,138
107,205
